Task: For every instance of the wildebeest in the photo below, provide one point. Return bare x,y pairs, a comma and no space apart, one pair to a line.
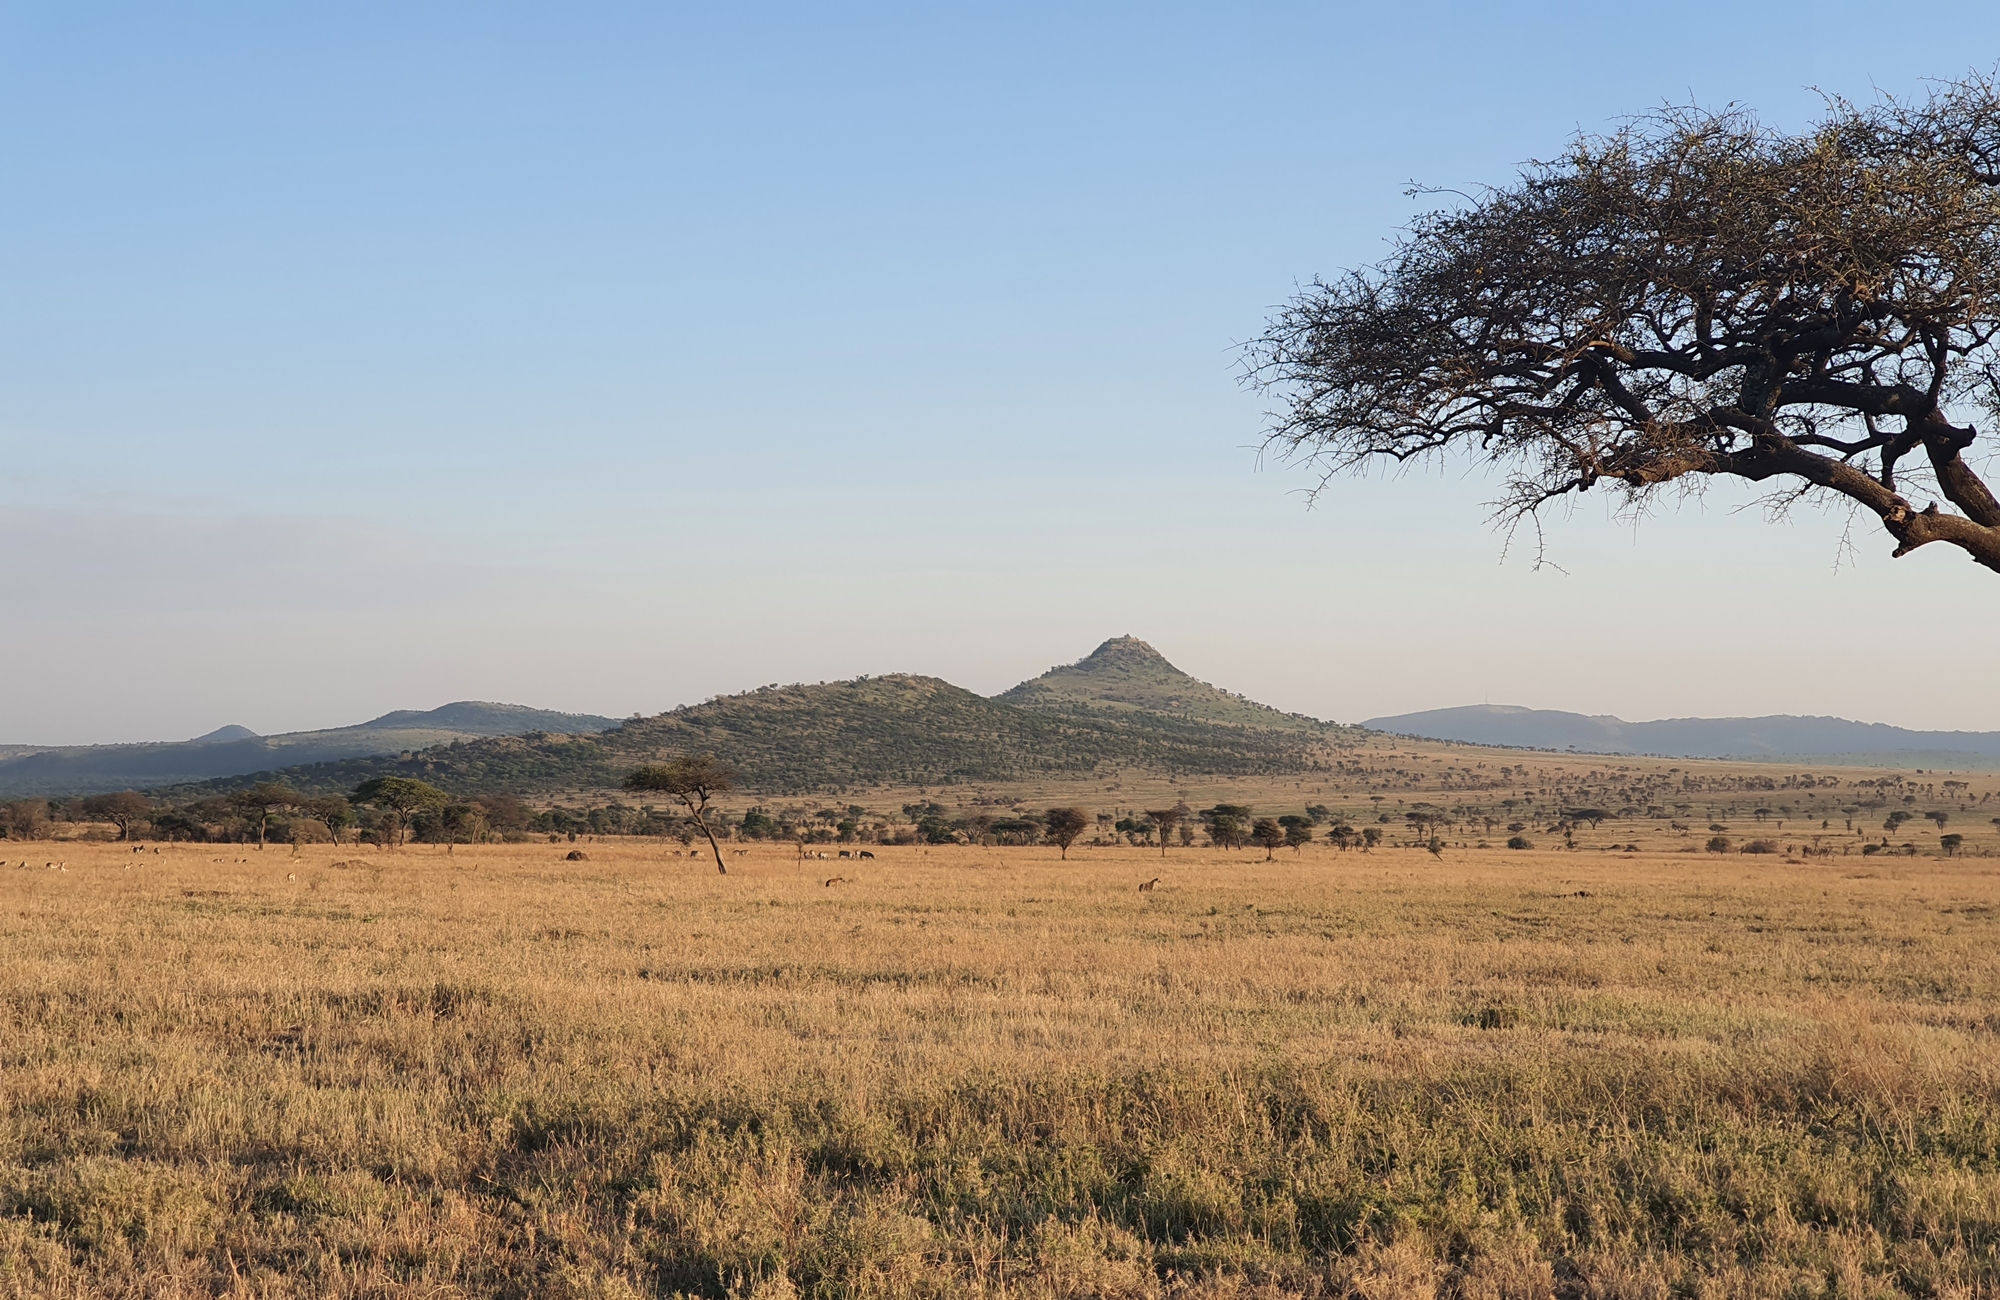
845,854
865,854
1147,888
576,855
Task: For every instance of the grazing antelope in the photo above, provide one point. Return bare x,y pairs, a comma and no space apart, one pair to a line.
739,853
1147,888
836,880
865,854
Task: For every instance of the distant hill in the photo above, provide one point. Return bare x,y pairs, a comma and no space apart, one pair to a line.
223,734
1127,676
233,750
1124,707
1777,736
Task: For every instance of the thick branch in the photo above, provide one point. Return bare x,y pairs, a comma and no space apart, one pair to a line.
1956,479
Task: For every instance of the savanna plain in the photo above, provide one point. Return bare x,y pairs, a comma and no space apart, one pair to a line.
489,1070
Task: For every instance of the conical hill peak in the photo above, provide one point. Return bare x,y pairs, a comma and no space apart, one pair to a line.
1124,649
1128,675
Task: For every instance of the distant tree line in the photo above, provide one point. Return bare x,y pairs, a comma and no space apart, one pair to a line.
394,810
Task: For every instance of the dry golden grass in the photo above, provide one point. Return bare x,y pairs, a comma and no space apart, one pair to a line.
976,1071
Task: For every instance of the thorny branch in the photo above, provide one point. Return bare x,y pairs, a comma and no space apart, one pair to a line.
1696,295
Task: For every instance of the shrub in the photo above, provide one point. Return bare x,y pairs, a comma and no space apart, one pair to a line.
1718,844
1761,846
1520,842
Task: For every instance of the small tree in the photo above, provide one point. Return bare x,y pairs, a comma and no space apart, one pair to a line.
331,811
25,819
123,809
1341,834
1166,819
1267,835
399,798
1227,824
693,781
1063,825
466,821
1298,831
1950,843
263,801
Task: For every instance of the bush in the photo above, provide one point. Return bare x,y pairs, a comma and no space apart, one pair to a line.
1520,842
1719,844
1761,846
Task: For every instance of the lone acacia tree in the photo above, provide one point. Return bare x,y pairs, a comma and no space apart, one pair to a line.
128,807
1166,819
1063,825
693,781
1694,297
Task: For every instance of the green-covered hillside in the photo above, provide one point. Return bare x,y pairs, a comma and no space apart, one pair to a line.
1125,675
892,730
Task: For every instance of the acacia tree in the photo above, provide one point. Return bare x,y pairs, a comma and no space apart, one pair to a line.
1166,819
399,798
1298,831
1063,825
693,781
125,808
265,800
1695,297
330,811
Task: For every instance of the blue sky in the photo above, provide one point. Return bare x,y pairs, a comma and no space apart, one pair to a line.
608,357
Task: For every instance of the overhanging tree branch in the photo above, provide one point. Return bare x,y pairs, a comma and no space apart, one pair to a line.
1694,295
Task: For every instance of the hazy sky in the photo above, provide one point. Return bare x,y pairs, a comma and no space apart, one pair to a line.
607,357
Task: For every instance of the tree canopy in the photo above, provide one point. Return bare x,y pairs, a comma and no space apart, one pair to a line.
1694,297
693,780
123,809
400,798
1064,825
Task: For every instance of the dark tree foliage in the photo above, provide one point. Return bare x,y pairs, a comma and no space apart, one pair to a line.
1298,831
399,798
263,801
1166,819
1063,825
123,809
331,811
1694,297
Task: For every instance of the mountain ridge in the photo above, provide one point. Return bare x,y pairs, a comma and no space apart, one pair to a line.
895,729
229,751
1771,736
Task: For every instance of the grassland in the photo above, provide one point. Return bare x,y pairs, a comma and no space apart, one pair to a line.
988,1072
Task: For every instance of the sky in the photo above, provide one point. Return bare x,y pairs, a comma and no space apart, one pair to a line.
608,357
